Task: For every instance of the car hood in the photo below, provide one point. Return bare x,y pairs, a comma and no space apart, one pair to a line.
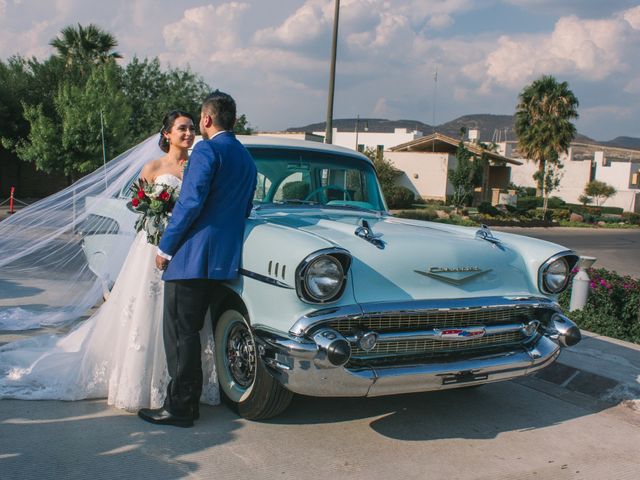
419,260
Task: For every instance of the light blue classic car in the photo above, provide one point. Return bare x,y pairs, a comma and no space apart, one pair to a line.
339,298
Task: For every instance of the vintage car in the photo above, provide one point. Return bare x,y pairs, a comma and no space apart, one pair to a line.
337,297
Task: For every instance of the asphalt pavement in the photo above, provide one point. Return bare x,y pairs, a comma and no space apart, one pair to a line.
578,419
615,249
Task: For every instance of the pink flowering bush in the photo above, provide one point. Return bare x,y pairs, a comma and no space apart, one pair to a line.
613,307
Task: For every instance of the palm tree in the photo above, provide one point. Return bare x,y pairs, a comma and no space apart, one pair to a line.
543,122
85,45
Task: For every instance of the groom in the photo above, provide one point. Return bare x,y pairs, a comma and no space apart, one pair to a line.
200,248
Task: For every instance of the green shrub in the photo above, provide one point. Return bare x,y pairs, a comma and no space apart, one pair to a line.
488,209
582,209
613,306
560,213
428,213
398,197
631,217
528,203
295,191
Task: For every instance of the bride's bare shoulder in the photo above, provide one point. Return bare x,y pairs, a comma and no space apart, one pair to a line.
150,170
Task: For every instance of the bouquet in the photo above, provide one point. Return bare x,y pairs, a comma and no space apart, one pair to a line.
154,203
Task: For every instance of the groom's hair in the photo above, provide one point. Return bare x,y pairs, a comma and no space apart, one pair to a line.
222,108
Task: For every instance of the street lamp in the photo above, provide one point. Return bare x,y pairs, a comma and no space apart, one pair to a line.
328,136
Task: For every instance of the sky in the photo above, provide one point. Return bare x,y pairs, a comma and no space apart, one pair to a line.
273,56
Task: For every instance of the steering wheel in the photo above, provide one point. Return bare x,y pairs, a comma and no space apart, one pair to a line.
327,188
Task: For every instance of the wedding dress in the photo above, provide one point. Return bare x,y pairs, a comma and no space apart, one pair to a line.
117,353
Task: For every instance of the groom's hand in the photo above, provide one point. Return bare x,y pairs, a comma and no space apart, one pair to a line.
161,262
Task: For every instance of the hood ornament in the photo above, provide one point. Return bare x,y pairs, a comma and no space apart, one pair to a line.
453,276
365,232
485,233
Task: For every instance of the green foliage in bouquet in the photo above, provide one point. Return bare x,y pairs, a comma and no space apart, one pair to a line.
154,203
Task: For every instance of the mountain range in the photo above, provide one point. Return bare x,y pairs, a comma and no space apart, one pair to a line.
491,128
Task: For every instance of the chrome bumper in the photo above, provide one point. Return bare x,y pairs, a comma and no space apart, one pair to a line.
302,367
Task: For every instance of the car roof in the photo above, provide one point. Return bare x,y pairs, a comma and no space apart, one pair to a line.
260,141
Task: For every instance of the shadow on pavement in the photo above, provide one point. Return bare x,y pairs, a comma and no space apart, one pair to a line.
474,413
69,439
10,289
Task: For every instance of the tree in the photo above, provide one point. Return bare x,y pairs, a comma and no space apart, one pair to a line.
550,180
152,92
543,123
396,196
25,82
584,200
242,126
83,46
70,141
601,191
465,177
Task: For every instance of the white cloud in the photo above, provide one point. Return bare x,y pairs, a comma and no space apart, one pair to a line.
274,55
381,108
633,17
304,26
633,86
592,49
205,29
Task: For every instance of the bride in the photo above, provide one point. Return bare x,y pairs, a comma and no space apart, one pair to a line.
118,352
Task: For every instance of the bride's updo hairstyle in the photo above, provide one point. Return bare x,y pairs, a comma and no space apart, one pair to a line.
167,124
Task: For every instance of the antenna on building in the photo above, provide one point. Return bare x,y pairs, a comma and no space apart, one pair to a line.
435,91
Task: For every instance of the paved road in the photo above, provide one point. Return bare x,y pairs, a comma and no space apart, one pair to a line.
615,249
514,430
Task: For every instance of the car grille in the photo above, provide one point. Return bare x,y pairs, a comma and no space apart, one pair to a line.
433,348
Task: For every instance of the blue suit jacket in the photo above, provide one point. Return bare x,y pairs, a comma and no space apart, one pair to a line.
205,232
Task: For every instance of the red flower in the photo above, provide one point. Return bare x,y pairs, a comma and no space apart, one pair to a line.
140,194
164,196
135,202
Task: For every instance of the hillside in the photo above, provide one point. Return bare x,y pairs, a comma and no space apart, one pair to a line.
491,127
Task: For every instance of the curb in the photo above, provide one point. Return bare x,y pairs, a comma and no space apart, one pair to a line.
603,368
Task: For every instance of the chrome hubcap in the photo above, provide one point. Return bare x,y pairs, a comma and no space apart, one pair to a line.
241,355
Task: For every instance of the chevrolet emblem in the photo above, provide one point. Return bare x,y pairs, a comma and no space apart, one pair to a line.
454,276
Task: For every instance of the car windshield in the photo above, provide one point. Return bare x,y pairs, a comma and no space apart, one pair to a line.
305,177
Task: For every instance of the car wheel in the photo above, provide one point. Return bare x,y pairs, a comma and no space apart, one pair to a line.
244,381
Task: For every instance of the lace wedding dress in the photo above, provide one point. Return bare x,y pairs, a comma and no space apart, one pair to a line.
117,353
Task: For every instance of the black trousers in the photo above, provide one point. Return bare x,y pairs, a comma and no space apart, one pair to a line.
185,307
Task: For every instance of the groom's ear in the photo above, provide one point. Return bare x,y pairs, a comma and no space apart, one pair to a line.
207,120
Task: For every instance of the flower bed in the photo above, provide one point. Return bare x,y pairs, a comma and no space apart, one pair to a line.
613,306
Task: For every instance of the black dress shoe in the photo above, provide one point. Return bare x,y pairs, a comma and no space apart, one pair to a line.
160,416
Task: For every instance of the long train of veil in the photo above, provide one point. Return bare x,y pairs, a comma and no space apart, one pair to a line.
46,277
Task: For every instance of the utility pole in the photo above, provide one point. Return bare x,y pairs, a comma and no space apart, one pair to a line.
357,125
328,136
104,151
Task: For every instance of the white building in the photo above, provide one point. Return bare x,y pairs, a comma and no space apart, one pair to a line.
618,167
425,163
379,141
295,135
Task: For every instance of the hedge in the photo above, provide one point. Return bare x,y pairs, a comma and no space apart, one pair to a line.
613,306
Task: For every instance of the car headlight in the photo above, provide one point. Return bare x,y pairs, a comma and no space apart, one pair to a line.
321,277
555,272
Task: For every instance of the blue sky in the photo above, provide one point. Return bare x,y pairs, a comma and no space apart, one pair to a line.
273,55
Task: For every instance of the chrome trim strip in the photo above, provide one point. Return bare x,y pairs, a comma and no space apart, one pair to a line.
297,365
338,254
438,333
265,279
549,261
354,311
